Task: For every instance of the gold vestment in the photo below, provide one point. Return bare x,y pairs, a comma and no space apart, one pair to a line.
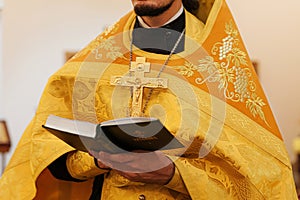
213,96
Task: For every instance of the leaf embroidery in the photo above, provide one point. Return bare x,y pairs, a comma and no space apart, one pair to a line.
231,73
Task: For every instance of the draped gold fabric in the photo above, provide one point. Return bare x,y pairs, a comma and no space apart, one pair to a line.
213,100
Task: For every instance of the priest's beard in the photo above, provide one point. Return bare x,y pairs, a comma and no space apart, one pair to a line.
150,10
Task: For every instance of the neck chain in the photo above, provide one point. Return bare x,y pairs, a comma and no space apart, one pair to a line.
160,71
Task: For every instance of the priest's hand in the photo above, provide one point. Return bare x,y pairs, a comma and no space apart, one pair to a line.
140,166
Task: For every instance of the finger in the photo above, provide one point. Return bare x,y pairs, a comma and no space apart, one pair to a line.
118,158
129,175
102,165
93,153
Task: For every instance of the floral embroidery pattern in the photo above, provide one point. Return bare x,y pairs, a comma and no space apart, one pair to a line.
109,46
230,71
104,44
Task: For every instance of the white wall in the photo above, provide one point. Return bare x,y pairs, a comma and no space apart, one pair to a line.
271,32
36,35
1,63
37,32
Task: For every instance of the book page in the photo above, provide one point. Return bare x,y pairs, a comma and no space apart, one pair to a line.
128,120
77,127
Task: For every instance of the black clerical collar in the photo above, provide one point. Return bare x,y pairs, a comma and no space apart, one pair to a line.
160,40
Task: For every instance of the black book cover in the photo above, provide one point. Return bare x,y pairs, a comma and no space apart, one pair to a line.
114,136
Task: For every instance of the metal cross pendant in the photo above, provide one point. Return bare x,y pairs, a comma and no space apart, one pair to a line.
138,81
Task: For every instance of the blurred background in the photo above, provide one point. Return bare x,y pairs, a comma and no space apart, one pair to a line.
37,35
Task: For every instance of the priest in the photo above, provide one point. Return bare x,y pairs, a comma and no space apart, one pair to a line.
183,62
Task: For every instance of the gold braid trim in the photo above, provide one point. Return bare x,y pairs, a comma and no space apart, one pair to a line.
82,166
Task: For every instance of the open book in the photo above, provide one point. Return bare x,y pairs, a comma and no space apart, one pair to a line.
113,136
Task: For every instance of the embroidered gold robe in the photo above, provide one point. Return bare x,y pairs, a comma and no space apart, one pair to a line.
213,99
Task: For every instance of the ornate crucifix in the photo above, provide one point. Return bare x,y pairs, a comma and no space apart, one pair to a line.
138,81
